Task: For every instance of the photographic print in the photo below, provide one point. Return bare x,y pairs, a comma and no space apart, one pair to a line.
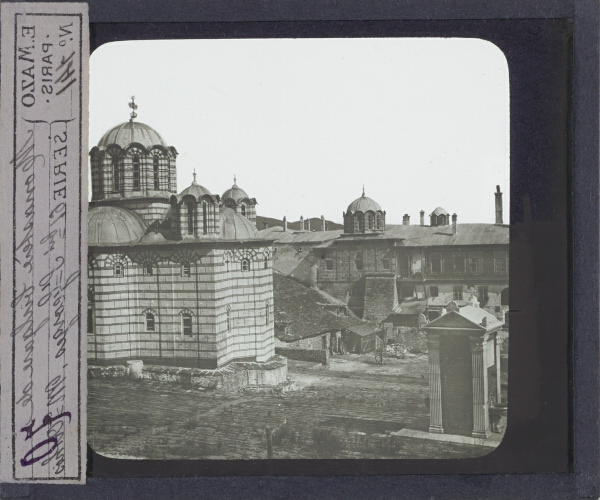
298,249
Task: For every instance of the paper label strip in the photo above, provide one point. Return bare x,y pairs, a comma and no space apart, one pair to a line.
44,113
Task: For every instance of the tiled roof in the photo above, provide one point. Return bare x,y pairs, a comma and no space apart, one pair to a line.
279,235
411,306
298,306
408,236
363,329
466,234
476,315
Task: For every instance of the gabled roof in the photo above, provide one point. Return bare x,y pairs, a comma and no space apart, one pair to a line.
466,318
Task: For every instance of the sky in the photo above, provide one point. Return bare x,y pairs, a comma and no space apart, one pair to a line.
304,123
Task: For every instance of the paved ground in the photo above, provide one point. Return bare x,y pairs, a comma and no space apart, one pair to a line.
352,409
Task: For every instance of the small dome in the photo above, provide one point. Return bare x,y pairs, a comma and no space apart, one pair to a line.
235,226
235,193
439,211
131,131
114,226
363,204
195,190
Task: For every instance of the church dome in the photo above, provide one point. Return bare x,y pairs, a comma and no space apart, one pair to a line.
235,193
195,190
114,226
235,226
129,132
439,211
363,204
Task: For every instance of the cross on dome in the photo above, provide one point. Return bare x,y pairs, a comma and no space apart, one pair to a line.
234,180
133,107
194,174
363,191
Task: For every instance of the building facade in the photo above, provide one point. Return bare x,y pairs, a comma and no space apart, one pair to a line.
181,279
374,268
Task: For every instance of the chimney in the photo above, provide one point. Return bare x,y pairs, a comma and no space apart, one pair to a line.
323,228
308,223
454,223
498,196
284,223
422,213
406,220
301,223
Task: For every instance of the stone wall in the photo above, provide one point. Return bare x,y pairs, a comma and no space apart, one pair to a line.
316,355
380,296
233,377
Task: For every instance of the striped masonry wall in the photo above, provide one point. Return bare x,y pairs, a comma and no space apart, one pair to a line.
215,287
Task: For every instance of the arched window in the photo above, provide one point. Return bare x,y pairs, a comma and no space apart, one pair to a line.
186,323
266,261
356,223
149,322
358,260
228,318
245,265
361,222
155,172
90,318
267,313
169,173
190,217
119,270
227,262
115,173
370,221
204,217
136,173
379,221
243,210
101,179
185,269
148,270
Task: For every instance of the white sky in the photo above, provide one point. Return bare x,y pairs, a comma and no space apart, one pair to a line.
304,123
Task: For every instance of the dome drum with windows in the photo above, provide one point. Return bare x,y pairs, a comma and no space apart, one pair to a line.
364,215
132,160
237,199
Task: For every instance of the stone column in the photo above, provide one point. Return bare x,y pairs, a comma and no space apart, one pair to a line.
481,417
435,384
498,371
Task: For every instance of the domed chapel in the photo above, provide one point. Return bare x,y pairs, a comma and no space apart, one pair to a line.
173,278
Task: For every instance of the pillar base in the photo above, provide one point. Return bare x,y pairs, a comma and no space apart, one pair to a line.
436,429
481,434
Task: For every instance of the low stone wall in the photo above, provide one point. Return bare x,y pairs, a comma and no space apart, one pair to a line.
317,355
232,377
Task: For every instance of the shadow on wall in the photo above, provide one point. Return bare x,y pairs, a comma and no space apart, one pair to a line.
356,297
294,261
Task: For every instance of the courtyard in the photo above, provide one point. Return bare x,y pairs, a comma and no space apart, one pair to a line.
353,408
